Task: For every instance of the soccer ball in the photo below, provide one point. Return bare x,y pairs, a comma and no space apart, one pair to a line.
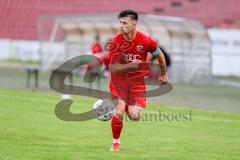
103,109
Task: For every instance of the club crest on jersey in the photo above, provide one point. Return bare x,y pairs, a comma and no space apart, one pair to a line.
139,48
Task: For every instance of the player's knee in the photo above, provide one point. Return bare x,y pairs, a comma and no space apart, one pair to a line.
120,109
119,114
134,117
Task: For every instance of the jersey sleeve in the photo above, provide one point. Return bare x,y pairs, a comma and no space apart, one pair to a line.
110,58
153,47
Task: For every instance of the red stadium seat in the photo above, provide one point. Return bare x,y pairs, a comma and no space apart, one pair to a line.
18,18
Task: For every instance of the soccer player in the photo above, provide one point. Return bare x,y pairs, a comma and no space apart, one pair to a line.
127,76
96,47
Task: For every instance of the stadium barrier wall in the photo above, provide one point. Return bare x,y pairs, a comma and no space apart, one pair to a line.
27,51
225,51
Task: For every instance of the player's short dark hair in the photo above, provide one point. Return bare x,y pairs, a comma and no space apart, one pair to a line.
128,13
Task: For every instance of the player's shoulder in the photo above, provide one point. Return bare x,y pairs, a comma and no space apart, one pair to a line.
143,36
146,39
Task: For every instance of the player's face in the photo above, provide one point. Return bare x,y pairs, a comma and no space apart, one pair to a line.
127,25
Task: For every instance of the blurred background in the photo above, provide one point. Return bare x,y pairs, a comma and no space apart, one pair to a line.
200,37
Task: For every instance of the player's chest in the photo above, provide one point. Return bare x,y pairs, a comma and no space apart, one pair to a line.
133,52
135,47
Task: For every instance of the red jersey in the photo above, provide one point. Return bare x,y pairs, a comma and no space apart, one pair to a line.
128,52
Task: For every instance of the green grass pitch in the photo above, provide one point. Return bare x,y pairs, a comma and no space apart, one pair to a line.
29,130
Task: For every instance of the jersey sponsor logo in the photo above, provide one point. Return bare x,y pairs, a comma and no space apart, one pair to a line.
131,58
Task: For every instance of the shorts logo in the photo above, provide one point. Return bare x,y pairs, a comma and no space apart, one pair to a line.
139,48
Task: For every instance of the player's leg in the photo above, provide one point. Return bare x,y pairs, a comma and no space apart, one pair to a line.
119,95
136,102
117,124
135,112
120,108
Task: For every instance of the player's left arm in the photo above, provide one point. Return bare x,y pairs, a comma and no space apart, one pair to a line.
158,57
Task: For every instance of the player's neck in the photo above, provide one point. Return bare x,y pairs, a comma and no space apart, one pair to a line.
130,36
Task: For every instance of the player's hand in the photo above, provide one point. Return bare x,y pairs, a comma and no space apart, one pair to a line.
163,79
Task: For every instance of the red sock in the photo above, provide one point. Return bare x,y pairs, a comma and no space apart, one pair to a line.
117,125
